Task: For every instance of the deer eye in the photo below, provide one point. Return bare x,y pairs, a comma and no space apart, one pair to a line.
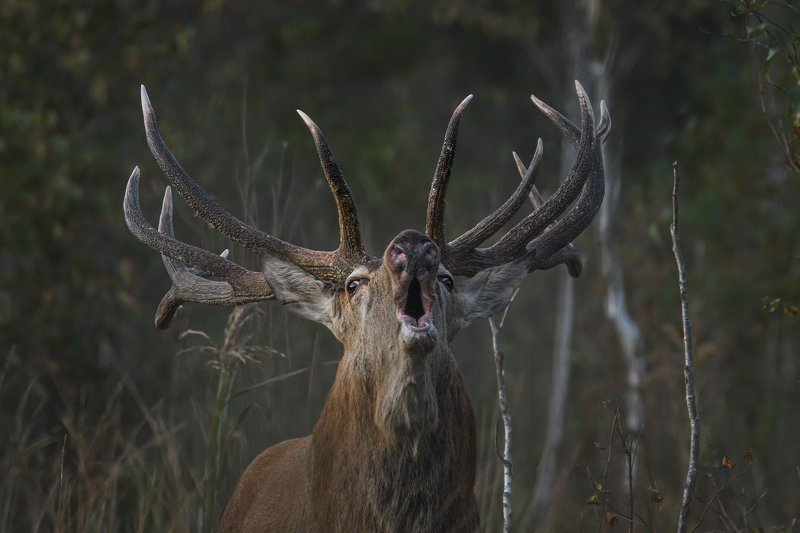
352,285
447,281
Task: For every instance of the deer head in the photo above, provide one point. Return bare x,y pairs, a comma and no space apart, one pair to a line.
394,313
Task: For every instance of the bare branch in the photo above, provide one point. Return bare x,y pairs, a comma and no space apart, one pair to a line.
717,491
688,368
505,412
614,424
559,388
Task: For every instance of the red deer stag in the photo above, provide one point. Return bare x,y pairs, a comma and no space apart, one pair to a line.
394,447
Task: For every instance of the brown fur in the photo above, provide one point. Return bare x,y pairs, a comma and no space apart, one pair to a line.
366,481
361,480
394,447
272,494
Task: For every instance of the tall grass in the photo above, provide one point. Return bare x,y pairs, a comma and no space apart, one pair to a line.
234,350
118,462
89,475
101,473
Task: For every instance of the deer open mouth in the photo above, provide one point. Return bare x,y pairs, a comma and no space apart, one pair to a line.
414,308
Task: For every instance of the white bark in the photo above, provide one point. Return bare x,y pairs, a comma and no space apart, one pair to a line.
505,412
558,396
628,333
565,315
688,368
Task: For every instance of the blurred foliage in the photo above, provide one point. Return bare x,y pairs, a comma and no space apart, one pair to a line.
77,292
775,45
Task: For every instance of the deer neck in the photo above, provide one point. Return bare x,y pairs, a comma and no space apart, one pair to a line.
396,451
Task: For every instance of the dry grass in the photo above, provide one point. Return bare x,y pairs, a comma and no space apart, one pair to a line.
101,473
95,475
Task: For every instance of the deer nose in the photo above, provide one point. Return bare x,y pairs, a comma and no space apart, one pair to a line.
413,253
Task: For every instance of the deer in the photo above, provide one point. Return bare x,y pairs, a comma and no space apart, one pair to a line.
394,448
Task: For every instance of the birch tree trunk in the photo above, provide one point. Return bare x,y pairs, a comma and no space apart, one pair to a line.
558,397
580,27
565,317
616,309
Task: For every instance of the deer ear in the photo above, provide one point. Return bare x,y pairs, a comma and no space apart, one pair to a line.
485,294
298,290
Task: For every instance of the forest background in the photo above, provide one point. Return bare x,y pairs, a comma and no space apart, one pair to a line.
111,425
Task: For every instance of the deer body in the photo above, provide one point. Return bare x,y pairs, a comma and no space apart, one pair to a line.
394,448
355,484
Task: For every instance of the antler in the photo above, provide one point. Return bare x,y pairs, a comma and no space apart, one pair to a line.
434,221
567,255
329,266
190,285
540,237
350,246
190,267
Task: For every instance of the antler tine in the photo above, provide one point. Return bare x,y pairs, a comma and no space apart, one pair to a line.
584,210
240,285
165,227
568,129
566,193
175,249
579,217
316,262
198,200
517,242
492,223
434,220
349,233
190,284
581,214
567,256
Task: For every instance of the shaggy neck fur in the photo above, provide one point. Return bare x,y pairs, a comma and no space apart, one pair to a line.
401,459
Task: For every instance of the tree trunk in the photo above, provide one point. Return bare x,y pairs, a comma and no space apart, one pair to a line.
565,315
627,330
558,398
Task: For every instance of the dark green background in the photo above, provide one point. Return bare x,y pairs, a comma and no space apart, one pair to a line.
77,292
